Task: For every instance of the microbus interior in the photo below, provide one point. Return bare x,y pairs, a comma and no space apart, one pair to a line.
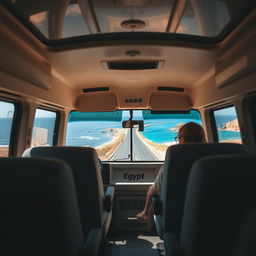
119,78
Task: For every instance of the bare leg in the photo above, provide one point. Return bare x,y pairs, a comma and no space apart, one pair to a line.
145,213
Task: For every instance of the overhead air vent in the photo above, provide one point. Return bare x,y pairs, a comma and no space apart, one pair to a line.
133,65
170,89
96,89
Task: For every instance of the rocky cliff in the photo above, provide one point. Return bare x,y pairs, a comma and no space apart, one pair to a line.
231,126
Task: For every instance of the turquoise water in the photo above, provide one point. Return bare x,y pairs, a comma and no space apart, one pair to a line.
90,133
95,133
161,133
228,135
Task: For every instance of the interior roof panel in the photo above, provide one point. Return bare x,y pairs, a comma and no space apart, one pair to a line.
209,30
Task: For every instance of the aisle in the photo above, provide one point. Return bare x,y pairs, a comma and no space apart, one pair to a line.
134,245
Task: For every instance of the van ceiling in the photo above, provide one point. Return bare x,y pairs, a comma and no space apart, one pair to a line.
83,67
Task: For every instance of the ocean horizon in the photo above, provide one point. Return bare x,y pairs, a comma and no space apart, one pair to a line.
96,133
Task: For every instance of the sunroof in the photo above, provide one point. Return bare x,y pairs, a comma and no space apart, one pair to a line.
57,20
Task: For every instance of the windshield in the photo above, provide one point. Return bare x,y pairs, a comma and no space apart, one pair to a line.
104,132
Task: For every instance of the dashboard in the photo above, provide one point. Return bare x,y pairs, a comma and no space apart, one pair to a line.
131,182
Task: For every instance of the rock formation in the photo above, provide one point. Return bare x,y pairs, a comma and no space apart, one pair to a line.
231,126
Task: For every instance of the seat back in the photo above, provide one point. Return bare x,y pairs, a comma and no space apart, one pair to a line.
39,213
246,245
86,169
221,191
178,162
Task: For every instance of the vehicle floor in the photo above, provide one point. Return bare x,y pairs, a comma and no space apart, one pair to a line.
133,244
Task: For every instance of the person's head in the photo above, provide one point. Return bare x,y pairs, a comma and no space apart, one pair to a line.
191,133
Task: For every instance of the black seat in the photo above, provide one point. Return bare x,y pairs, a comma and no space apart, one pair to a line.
246,245
95,206
221,191
39,213
178,162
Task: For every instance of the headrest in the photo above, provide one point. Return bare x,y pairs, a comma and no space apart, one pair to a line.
221,190
39,212
72,155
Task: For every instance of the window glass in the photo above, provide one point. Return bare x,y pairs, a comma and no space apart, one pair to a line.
64,19
6,120
160,130
74,24
101,130
207,18
40,20
227,125
104,132
43,128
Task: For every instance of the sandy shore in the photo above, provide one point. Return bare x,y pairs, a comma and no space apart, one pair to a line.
232,141
157,149
4,151
106,150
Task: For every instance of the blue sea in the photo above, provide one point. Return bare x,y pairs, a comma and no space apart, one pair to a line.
95,133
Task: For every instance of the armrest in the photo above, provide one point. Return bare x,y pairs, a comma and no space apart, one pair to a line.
108,199
92,243
171,245
157,205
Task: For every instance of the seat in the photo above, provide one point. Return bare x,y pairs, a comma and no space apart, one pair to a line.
39,212
178,162
95,206
246,245
221,191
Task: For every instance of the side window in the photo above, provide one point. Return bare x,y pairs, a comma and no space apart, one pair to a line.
44,128
227,125
7,110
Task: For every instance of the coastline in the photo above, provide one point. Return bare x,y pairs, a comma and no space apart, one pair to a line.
157,149
106,150
4,151
232,141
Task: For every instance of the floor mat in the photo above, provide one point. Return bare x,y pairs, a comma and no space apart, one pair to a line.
134,245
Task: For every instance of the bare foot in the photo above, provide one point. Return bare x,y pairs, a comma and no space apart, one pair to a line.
142,215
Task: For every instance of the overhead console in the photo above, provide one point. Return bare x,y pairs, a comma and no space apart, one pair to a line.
161,98
131,181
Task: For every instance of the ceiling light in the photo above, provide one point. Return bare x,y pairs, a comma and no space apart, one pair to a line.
133,24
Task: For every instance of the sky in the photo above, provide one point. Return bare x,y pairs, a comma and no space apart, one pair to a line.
6,109
226,112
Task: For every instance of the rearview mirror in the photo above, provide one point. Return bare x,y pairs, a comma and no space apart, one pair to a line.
134,124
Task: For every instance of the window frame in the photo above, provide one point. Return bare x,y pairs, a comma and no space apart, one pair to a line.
56,125
14,134
214,125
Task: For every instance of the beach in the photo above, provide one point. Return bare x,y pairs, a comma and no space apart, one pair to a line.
4,151
106,150
157,149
